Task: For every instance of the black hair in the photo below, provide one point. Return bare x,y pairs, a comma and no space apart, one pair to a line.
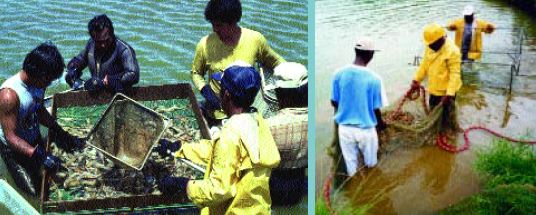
227,11
44,61
365,55
98,23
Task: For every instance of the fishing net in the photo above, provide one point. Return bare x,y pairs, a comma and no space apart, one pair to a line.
89,174
410,123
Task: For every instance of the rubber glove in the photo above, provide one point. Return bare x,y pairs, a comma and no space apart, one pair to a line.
50,162
170,185
212,100
68,142
166,147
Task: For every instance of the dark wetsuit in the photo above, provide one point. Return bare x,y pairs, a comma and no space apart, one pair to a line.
120,65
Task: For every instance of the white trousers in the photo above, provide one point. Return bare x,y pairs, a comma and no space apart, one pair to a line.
352,140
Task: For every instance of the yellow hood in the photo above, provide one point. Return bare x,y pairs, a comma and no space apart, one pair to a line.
257,139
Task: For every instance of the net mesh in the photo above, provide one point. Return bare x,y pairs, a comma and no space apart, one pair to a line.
410,124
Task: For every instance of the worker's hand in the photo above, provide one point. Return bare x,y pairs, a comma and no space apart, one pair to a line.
166,147
170,185
93,84
105,81
381,126
212,100
415,85
446,100
51,163
70,77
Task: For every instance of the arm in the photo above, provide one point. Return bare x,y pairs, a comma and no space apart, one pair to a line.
131,74
62,139
46,119
381,124
76,65
335,93
380,100
455,81
196,152
451,26
9,103
488,27
220,184
422,71
199,65
335,105
267,56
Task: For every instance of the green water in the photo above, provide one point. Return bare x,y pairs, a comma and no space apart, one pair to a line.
424,180
163,34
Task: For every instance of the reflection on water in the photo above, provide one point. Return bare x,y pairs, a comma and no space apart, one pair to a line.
427,179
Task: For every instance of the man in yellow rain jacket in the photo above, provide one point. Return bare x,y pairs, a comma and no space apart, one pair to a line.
469,34
441,64
239,159
226,44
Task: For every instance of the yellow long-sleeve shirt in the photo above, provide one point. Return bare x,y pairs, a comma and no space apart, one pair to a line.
239,163
479,27
212,55
442,69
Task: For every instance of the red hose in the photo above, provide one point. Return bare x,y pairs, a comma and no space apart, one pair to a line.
326,191
441,140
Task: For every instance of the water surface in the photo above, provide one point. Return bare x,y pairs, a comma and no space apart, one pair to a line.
427,179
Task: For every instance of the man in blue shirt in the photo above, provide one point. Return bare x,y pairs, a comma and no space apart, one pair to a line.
357,96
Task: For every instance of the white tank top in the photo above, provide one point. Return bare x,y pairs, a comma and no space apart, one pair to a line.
30,99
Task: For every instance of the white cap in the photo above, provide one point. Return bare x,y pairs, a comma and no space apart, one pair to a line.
468,10
365,44
290,75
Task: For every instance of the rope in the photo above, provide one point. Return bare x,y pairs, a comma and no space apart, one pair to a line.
410,95
442,142
441,139
326,191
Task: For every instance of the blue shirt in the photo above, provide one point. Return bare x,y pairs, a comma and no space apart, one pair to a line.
358,91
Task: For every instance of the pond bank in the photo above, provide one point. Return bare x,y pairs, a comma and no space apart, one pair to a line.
528,6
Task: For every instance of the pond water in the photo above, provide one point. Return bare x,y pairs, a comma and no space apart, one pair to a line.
163,34
426,179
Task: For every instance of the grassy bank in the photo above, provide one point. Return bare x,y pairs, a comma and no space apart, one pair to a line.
509,171
526,5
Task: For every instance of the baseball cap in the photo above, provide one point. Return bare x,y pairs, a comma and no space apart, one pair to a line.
365,44
242,82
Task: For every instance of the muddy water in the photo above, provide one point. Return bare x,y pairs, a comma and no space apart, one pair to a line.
427,179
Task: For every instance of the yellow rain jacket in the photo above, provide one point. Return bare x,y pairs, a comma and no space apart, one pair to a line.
212,55
442,69
239,165
479,27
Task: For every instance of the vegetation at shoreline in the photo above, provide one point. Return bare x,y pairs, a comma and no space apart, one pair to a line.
509,171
